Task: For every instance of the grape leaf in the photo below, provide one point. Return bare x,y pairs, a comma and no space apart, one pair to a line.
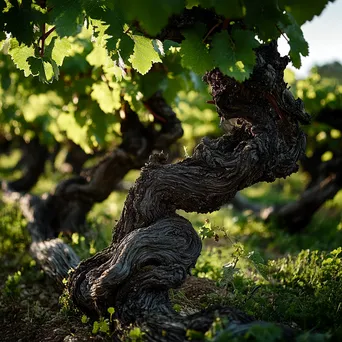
298,44
98,57
304,10
126,46
195,54
232,9
235,57
115,20
144,54
117,71
222,51
42,68
99,32
245,42
20,54
55,69
57,50
152,15
108,99
67,16
20,19
110,33
264,16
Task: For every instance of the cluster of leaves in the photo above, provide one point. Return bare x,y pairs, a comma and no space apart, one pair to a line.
101,54
134,35
68,108
83,105
322,90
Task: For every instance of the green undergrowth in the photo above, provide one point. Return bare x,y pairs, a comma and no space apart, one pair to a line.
303,291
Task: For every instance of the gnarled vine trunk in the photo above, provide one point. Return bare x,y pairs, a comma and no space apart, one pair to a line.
153,248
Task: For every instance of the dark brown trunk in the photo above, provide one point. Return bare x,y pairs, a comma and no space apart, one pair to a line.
153,248
324,184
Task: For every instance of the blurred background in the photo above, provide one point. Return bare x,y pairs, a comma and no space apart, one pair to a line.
324,36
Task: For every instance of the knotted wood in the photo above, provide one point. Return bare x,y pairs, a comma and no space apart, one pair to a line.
153,248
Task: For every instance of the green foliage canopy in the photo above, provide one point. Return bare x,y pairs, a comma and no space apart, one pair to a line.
98,54
130,32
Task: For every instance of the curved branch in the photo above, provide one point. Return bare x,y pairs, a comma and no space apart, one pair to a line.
153,248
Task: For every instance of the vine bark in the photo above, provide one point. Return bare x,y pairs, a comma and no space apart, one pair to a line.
153,248
325,182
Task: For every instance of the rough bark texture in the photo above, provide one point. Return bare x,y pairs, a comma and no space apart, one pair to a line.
153,248
65,210
325,182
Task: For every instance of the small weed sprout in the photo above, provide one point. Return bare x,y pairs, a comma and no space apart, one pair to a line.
206,231
111,311
101,326
11,285
84,319
136,335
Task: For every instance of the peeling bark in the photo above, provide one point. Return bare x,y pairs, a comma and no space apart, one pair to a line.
153,248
